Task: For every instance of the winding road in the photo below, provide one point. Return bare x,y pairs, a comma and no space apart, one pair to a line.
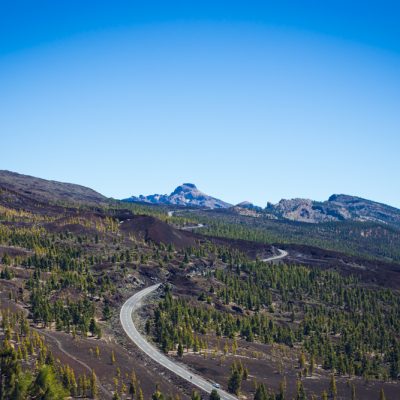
188,227
282,254
133,304
130,306
192,227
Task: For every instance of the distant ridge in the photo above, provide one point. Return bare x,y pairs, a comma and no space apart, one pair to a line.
339,207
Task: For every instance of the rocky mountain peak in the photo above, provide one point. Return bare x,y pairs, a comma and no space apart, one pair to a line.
189,185
185,187
186,194
343,198
245,204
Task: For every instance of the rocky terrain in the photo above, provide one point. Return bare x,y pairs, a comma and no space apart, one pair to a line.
337,208
186,194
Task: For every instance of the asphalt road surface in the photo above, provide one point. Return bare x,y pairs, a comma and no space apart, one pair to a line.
133,304
130,306
282,254
192,227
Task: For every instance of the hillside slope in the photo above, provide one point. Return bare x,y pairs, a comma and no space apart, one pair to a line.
49,191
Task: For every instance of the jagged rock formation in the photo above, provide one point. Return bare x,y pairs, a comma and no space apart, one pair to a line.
186,194
338,207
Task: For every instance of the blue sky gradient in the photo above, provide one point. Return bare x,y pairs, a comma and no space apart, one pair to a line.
250,101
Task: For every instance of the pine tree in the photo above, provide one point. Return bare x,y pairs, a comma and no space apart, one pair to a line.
214,395
180,350
301,394
234,346
195,396
312,365
302,360
157,395
106,311
47,383
93,326
147,327
261,393
332,388
93,385
6,260
235,382
140,395
353,392
132,389
245,373
282,390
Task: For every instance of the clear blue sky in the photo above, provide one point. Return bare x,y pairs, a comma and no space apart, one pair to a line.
249,100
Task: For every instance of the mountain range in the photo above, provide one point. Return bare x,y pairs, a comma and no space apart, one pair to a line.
339,207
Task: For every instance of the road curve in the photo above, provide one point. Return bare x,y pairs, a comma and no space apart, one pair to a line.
134,303
282,254
188,227
192,227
